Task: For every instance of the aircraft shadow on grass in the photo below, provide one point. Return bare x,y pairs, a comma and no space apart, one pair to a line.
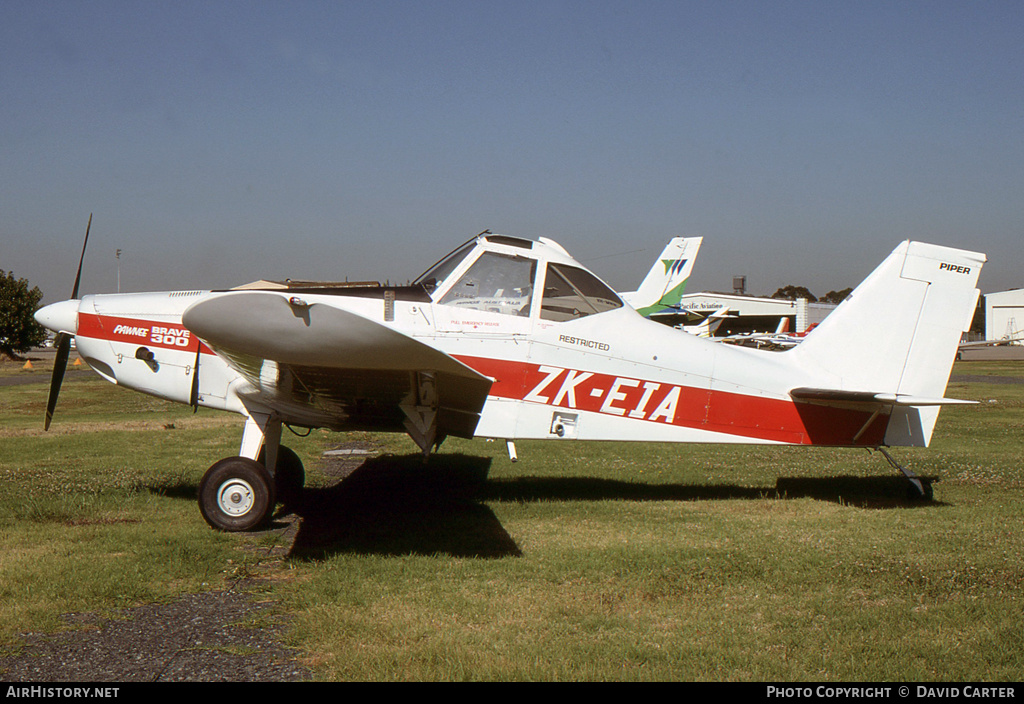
397,505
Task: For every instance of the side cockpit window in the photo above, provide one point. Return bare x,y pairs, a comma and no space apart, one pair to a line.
571,293
497,283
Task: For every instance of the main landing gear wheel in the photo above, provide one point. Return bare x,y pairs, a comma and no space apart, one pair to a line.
289,475
236,494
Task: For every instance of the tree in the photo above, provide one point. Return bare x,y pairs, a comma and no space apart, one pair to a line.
19,330
794,292
836,297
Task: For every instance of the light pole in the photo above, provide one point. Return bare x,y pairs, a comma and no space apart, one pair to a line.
117,255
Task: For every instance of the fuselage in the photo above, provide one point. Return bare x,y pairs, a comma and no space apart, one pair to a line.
566,358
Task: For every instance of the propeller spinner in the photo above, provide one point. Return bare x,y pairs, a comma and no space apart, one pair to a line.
62,318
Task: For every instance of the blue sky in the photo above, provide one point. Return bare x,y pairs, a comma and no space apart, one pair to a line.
220,142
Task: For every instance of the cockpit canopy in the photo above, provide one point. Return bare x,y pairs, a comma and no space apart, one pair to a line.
501,274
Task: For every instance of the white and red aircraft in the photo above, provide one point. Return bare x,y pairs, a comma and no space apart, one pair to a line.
781,339
509,338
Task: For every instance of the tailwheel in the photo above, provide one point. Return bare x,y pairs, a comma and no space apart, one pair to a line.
236,494
289,475
920,490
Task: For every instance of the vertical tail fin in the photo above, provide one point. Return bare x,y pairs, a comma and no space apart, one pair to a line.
898,332
665,283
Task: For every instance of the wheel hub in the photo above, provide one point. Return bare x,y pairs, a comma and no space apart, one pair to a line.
235,497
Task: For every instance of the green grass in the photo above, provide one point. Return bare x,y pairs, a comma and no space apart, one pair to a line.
603,561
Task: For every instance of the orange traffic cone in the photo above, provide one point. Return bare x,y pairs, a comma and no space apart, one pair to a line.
28,366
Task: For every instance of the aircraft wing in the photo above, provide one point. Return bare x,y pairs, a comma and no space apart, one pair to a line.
321,366
677,315
1010,340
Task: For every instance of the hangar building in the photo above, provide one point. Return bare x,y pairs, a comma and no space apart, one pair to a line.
1004,314
753,314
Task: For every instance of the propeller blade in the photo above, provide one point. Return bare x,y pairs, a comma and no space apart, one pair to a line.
62,341
60,363
78,277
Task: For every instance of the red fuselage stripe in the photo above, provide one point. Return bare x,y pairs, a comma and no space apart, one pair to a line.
724,412
736,414
145,333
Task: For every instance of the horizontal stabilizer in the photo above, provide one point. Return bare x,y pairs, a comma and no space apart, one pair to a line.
868,398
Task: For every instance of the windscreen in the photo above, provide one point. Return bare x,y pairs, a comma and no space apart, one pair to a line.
435,275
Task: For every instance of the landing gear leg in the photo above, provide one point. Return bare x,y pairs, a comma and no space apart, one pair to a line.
261,440
289,476
918,489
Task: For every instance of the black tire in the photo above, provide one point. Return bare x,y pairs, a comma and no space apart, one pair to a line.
289,475
236,494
